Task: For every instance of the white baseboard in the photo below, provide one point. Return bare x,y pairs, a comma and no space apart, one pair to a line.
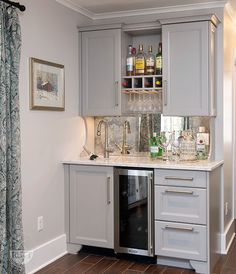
45,254
227,237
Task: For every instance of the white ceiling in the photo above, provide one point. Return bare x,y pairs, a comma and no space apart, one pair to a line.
98,8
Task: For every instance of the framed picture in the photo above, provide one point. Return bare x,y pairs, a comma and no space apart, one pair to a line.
47,85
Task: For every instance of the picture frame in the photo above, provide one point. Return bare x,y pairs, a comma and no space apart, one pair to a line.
47,85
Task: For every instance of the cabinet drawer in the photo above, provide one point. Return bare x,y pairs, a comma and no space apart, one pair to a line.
187,178
178,240
180,204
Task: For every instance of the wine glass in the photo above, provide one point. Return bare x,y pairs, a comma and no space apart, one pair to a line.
167,138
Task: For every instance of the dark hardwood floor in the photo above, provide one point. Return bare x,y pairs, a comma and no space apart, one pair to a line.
94,264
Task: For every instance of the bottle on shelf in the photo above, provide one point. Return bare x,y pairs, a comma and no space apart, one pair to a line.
202,144
154,148
130,62
159,60
140,62
158,82
150,62
134,57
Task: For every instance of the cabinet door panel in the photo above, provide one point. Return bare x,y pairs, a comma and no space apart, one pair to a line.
101,72
91,206
186,69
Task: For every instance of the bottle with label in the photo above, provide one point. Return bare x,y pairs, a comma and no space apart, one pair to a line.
150,62
154,149
159,60
161,141
130,62
134,57
203,143
140,62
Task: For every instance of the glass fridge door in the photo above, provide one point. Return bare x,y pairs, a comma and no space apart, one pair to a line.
134,211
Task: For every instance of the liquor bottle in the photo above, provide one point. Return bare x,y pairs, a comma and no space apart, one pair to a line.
140,61
202,144
150,62
134,57
159,60
130,62
153,143
158,82
160,141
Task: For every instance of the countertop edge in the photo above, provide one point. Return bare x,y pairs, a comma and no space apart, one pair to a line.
200,166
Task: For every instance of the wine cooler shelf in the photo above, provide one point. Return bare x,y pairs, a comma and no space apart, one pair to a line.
142,83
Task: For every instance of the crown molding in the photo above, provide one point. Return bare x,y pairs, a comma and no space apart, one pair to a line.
77,8
127,13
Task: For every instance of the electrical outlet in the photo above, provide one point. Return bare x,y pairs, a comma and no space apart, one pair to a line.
226,208
40,223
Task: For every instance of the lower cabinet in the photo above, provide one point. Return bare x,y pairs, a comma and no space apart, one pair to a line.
90,206
187,217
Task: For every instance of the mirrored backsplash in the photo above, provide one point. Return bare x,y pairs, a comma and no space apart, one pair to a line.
141,129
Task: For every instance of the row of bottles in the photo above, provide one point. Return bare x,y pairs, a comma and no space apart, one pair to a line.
142,63
185,146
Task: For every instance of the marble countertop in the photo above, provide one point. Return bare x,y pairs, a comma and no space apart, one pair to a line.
145,162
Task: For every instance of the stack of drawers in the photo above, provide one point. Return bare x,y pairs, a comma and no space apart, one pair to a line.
181,214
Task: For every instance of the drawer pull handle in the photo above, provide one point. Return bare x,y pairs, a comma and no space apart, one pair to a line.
178,178
179,191
179,228
108,190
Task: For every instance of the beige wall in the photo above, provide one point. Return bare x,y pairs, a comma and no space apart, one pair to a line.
49,32
229,109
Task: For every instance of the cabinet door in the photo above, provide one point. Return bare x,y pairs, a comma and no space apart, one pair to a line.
186,69
91,206
101,72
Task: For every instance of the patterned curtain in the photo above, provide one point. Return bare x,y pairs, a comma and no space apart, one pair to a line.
11,234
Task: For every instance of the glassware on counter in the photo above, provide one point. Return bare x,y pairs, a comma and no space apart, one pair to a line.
187,146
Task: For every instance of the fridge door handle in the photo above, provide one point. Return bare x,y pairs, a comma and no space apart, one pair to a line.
150,214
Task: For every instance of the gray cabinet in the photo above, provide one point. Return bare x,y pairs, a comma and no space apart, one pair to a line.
100,72
187,216
90,206
188,69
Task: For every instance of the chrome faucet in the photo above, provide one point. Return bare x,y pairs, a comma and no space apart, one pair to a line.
107,150
125,147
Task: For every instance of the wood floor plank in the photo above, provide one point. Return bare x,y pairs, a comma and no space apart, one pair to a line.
138,267
129,271
93,259
173,270
118,267
101,266
62,264
155,269
227,270
79,268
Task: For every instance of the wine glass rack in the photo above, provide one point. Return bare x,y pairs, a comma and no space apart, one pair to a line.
144,93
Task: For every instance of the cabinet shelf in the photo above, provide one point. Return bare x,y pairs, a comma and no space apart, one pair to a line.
143,76
143,82
142,91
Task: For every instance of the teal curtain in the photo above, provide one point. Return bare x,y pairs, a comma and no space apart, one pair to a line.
11,234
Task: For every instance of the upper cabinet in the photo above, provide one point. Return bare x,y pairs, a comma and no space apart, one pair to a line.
188,69
186,88
101,73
